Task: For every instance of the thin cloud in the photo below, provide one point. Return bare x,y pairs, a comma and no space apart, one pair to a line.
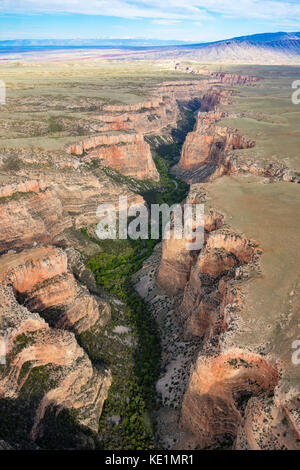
166,22
117,8
197,10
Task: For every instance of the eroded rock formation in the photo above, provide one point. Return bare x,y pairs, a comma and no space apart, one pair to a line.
30,212
234,79
208,147
148,117
220,77
46,371
127,153
40,277
209,289
177,259
233,398
62,374
270,423
218,389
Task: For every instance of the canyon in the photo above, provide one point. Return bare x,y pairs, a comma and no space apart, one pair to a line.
225,378
206,298
208,146
228,389
220,77
49,299
127,151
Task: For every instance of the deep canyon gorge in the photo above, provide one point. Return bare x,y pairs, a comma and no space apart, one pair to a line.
113,345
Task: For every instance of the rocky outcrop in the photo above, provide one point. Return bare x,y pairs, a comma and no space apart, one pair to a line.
234,79
175,264
209,290
274,171
40,211
131,108
45,305
30,213
47,378
127,153
64,378
209,145
41,280
217,393
148,117
270,424
46,370
222,380
183,90
75,195
177,259
213,98
154,117
209,151
220,77
81,195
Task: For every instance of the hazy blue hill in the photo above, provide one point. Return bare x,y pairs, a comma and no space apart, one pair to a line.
87,42
265,48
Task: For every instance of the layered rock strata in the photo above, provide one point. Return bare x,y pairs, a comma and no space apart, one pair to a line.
30,213
128,153
220,77
177,260
209,145
209,289
42,305
234,396
54,202
31,282
149,117
212,406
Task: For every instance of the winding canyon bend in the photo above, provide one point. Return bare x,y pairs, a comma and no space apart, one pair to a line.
201,358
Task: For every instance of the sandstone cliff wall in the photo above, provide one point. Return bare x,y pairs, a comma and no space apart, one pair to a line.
212,405
233,398
150,117
65,377
127,153
210,144
30,213
221,77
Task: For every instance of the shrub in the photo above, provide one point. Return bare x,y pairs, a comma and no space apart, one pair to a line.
54,126
12,163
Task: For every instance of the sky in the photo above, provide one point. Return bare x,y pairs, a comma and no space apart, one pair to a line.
181,20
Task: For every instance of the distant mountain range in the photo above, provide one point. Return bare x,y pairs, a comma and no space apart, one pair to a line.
88,42
259,38
265,48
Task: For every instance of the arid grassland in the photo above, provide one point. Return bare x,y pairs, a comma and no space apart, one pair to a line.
266,113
